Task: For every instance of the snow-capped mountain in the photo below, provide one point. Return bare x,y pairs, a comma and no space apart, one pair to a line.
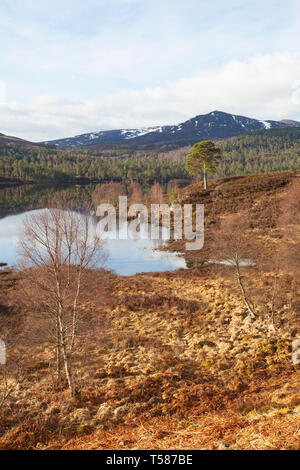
105,136
215,125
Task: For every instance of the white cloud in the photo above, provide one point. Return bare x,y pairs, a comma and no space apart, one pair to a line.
296,92
2,92
260,87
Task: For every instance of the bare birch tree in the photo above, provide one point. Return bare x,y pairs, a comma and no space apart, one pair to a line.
233,246
57,246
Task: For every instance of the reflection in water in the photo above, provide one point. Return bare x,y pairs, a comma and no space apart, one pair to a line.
15,200
125,256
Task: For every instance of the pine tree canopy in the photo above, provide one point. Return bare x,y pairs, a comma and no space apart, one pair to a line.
203,158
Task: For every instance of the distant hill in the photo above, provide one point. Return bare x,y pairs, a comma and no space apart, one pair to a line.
290,122
5,139
115,136
261,151
215,125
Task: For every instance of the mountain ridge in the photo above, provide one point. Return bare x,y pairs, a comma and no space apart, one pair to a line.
214,125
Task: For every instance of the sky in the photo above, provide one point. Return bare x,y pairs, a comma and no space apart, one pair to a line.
71,66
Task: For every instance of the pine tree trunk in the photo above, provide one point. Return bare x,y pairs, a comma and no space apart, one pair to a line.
205,180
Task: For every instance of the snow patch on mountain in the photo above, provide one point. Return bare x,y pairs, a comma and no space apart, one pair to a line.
214,125
132,133
266,124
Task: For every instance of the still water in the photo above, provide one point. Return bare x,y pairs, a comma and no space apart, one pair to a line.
125,257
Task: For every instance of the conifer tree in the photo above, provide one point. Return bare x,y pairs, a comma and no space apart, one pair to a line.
203,159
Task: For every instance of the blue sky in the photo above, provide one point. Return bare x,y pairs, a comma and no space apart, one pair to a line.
68,67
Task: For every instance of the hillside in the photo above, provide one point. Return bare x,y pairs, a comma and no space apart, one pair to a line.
214,125
173,360
257,152
253,153
256,193
40,164
261,151
5,139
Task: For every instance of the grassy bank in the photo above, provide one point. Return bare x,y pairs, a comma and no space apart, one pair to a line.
170,360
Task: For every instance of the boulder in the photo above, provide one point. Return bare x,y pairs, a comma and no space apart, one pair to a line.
104,413
296,352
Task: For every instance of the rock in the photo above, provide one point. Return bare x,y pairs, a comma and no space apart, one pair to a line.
104,412
223,446
296,352
296,357
296,344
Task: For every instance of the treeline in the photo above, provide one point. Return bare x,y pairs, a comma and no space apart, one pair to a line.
14,200
261,152
38,164
254,153
258,152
